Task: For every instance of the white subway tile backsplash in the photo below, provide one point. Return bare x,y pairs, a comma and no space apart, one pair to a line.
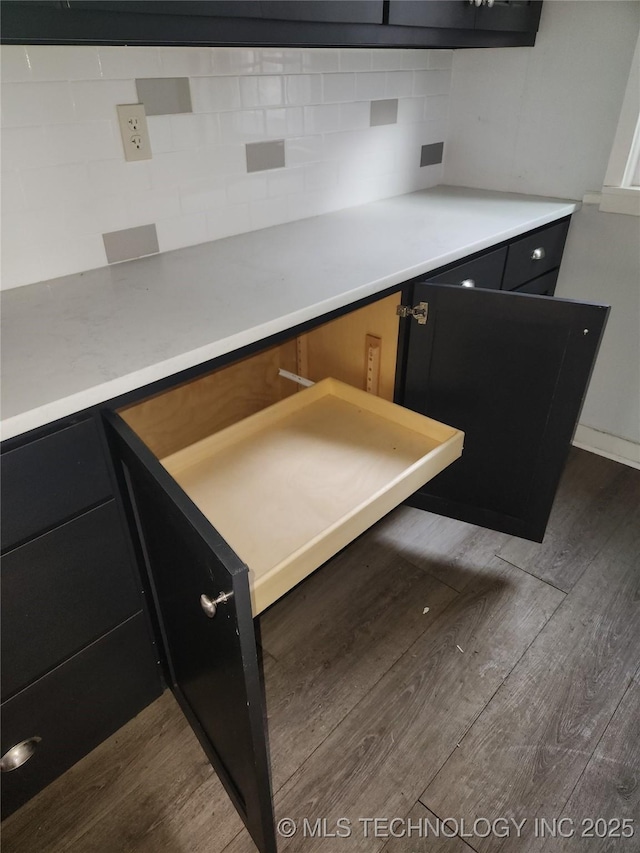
322,118
151,206
53,184
355,115
192,131
215,94
388,59
180,231
14,64
97,99
399,84
228,220
160,133
78,143
285,182
267,91
55,62
117,177
186,62
440,59
269,211
130,62
432,82
320,60
338,87
203,195
436,108
303,89
284,121
415,59
242,126
355,59
65,182
411,110
371,86
29,104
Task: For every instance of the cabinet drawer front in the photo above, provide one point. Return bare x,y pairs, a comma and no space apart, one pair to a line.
78,705
534,255
485,271
50,480
60,592
544,285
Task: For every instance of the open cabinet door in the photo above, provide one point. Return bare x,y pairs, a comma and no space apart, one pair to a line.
210,650
511,371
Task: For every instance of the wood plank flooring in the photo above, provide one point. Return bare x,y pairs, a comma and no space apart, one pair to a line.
516,695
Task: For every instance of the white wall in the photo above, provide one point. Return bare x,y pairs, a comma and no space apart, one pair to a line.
65,181
541,121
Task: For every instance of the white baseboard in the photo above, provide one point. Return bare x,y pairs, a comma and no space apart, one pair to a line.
611,446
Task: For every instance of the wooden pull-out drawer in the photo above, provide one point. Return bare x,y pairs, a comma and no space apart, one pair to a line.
290,486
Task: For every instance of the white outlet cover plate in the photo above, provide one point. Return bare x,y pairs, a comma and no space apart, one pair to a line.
134,131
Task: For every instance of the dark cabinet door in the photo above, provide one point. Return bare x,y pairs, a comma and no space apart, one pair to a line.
211,657
510,15
457,14
511,370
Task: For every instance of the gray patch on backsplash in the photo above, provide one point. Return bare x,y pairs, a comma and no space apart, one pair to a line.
164,95
265,155
383,112
131,243
431,154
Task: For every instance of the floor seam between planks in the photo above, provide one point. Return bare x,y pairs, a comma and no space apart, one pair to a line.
537,577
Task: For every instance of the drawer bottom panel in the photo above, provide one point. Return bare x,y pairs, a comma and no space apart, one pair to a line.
76,706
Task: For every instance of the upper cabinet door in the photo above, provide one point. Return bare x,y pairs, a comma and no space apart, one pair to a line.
457,14
210,648
511,15
511,371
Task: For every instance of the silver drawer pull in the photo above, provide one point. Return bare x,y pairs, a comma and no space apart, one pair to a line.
467,282
210,605
18,754
538,254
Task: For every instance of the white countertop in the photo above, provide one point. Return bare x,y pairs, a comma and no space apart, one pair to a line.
83,339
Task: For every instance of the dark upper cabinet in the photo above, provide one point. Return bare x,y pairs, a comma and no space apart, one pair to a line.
321,23
504,15
510,369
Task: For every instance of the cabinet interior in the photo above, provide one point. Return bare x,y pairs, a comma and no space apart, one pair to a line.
191,411
289,476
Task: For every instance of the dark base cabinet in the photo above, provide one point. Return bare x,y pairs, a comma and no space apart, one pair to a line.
68,712
78,658
474,346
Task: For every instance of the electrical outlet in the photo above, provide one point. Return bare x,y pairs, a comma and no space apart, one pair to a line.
134,131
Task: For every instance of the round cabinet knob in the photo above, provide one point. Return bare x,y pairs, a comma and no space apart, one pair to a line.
18,754
210,605
538,254
468,282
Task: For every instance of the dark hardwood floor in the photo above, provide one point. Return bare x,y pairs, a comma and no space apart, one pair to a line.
431,671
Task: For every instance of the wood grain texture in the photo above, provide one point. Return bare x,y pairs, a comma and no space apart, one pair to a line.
527,751
421,838
339,348
450,550
609,788
591,502
290,486
333,638
378,759
149,788
176,418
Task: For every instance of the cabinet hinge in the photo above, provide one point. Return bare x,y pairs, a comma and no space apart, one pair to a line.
418,312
